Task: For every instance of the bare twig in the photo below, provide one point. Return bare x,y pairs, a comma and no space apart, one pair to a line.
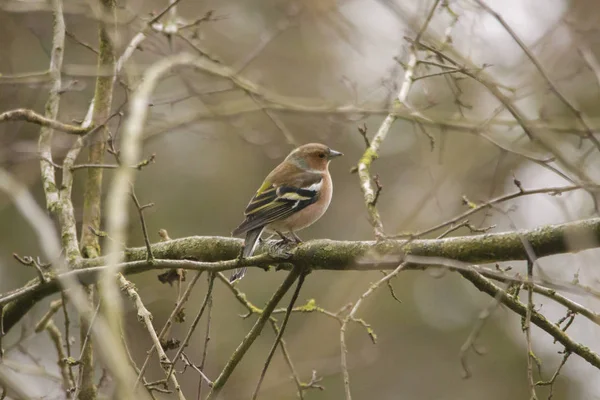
57,341
363,132
188,363
530,130
206,340
473,208
146,318
482,318
378,189
241,350
23,114
252,309
140,210
30,261
351,314
364,164
279,334
555,375
167,326
527,329
205,302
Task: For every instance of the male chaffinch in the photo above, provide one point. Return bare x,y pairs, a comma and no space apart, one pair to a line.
293,196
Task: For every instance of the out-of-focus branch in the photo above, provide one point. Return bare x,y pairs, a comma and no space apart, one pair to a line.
24,114
532,132
538,65
46,236
316,106
117,218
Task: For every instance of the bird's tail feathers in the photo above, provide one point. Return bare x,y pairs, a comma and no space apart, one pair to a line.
250,244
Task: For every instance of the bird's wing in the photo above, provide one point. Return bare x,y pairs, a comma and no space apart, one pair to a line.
276,200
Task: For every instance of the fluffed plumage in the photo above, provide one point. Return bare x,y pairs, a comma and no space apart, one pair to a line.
292,197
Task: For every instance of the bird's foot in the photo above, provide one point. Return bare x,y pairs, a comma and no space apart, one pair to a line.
284,239
296,237
281,248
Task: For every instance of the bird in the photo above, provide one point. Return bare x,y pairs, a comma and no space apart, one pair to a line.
292,197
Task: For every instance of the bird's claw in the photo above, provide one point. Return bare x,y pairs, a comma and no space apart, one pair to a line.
296,237
281,249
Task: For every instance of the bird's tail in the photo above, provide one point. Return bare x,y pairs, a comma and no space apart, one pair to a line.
250,244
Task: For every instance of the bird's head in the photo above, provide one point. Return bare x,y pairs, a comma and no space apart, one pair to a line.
313,156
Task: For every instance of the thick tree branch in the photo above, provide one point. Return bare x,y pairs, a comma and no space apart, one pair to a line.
92,196
321,254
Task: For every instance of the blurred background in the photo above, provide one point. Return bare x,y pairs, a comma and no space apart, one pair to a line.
336,54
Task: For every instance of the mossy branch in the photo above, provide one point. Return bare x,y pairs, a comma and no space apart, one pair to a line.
219,254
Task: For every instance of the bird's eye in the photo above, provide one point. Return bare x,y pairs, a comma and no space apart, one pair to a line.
321,155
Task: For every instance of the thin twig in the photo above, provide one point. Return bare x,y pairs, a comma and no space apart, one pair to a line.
206,340
351,314
207,299
279,334
140,210
530,130
555,375
252,309
167,326
63,363
188,363
470,343
363,132
249,339
146,318
364,164
67,324
473,208
527,329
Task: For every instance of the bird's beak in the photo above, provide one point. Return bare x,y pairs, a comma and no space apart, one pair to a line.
334,154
